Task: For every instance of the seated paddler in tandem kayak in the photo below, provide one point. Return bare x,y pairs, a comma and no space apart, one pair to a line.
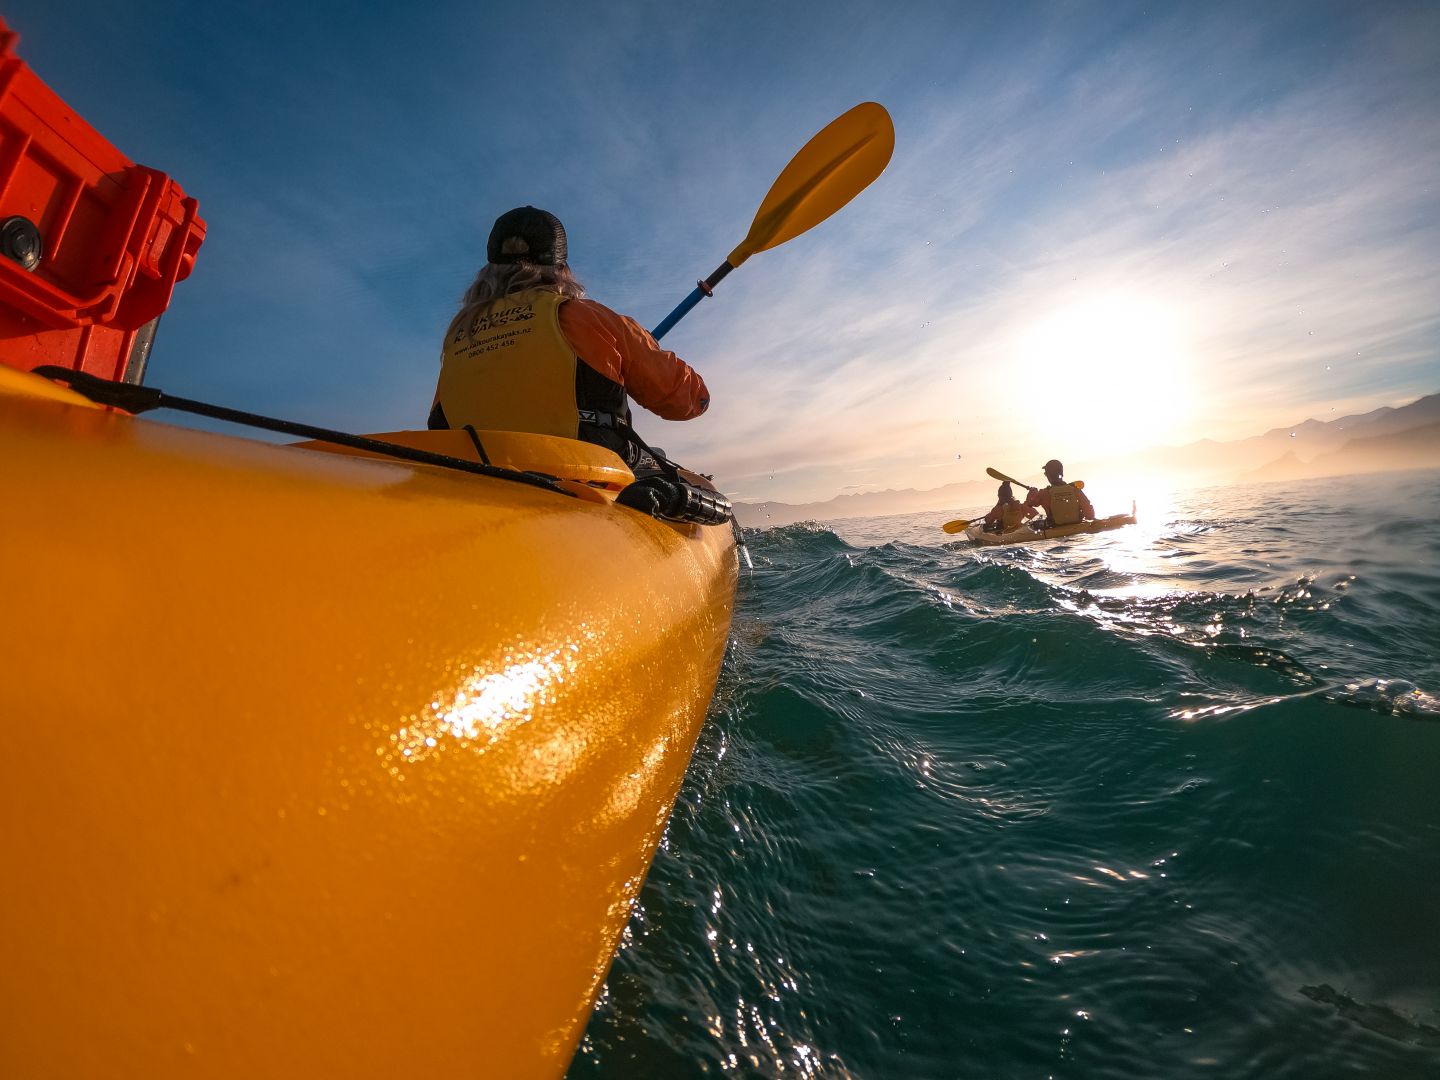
1062,503
529,352
1008,513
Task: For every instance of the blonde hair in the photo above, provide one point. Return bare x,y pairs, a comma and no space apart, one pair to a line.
501,279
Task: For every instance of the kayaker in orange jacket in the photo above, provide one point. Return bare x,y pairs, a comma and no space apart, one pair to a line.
528,352
1064,504
1009,513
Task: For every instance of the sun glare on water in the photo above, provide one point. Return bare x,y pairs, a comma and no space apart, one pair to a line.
1111,375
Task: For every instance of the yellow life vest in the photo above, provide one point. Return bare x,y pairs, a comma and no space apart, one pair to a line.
1064,504
1012,516
507,367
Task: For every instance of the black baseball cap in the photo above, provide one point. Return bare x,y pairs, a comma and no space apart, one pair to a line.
527,234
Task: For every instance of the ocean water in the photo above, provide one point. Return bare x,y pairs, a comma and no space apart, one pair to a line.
1163,802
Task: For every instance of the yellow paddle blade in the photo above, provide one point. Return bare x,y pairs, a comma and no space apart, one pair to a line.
955,526
829,171
998,475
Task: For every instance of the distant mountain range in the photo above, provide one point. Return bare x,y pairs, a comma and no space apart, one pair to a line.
1413,448
1376,441
1309,449
866,504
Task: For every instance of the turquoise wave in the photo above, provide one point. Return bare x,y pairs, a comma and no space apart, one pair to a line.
1157,802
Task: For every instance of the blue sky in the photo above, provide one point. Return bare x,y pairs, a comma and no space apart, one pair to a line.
1105,226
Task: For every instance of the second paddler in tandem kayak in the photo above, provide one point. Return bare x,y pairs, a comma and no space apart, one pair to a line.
1008,513
528,352
1063,504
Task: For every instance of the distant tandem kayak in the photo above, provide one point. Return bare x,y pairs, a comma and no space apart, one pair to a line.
1025,534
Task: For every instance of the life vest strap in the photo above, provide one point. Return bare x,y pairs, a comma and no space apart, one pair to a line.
600,419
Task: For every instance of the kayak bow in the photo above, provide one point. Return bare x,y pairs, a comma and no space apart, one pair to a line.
349,764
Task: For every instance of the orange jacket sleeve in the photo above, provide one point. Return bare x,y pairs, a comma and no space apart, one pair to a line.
622,350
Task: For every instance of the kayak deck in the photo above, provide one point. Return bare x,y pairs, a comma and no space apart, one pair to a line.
334,765
1026,535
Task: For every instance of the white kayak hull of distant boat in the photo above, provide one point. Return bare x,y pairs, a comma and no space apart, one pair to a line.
1027,535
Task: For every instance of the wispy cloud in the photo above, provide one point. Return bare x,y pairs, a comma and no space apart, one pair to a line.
1270,174
1297,234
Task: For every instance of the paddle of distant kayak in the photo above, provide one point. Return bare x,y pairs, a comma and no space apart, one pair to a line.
998,475
960,525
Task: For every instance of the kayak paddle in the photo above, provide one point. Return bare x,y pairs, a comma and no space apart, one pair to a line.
959,526
830,170
998,475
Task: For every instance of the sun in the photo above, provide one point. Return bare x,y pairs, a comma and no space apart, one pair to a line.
1111,374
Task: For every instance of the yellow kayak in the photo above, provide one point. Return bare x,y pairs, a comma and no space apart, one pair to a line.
1025,534
324,764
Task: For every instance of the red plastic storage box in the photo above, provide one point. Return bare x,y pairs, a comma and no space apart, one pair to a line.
91,244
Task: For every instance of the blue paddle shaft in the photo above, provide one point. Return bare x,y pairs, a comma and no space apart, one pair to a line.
679,313
702,290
